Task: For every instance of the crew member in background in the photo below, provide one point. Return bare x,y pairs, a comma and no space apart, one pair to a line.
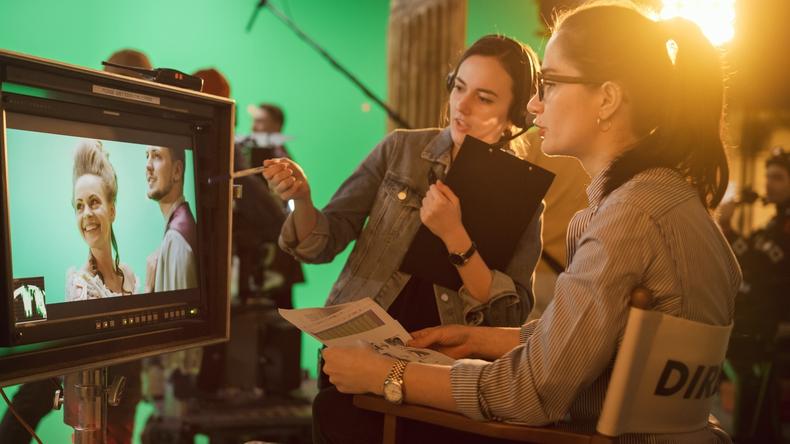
760,307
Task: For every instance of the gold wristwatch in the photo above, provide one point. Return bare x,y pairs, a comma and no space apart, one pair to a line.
393,385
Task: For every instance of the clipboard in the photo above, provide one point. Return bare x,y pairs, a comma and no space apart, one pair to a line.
499,195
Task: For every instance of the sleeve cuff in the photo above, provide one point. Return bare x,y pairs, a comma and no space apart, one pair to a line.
503,296
310,247
465,380
527,330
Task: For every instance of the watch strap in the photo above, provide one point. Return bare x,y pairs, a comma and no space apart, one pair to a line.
459,259
397,371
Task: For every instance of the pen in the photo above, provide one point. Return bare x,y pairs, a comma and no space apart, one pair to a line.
236,174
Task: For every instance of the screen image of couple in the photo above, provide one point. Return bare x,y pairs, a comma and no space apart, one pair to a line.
93,218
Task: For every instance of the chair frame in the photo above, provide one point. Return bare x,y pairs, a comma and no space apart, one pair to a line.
456,421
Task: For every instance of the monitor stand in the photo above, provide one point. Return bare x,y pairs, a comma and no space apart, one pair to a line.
85,401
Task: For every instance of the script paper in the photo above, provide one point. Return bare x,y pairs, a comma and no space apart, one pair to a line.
365,320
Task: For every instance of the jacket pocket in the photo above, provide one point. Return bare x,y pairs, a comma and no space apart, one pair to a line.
399,205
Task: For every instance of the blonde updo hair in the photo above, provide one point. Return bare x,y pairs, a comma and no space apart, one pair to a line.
91,158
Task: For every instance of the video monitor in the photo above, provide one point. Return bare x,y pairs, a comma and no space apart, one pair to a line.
115,241
94,205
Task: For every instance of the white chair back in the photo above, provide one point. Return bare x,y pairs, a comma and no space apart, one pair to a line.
665,375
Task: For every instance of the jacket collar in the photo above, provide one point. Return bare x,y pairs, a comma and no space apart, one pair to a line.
438,149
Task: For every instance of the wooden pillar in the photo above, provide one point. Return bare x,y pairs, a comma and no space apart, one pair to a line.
425,39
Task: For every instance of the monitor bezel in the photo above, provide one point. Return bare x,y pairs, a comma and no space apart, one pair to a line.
75,94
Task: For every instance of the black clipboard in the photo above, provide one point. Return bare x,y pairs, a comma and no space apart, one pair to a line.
499,195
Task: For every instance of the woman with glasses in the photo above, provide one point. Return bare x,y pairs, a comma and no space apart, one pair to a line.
639,103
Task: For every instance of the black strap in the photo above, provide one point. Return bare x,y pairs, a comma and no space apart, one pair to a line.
554,264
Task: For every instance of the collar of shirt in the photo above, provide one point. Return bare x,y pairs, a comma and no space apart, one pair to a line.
595,189
172,210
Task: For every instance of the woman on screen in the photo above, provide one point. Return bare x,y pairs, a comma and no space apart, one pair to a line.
94,194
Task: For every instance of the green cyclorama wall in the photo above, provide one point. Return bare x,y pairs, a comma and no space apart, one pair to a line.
325,113
332,125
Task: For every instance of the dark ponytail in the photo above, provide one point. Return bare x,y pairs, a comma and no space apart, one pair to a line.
677,107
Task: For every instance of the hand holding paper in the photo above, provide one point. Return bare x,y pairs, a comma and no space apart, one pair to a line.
363,320
356,369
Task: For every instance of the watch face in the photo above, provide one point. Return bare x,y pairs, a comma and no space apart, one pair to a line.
456,259
393,392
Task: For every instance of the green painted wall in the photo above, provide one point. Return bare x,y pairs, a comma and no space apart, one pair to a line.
325,113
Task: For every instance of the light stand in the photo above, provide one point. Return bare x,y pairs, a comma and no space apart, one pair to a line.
85,401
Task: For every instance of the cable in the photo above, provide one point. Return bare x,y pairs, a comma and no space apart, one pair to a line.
19,418
332,61
287,6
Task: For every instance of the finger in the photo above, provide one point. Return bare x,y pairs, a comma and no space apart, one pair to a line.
268,172
427,201
437,193
285,185
282,175
328,354
273,169
447,192
423,214
423,331
424,338
641,298
432,192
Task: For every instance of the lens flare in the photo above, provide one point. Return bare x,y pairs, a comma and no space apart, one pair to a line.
716,18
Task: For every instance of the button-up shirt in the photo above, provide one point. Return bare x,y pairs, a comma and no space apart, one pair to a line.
653,231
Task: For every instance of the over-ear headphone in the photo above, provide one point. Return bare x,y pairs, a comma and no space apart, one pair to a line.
779,157
518,113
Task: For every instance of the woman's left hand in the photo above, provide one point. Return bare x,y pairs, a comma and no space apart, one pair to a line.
356,369
441,211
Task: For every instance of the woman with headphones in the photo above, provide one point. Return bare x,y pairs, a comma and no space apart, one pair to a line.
639,103
384,202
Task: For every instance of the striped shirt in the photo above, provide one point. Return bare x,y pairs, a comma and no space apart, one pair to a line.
653,231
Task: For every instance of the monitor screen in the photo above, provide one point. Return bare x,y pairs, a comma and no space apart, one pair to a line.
97,212
115,218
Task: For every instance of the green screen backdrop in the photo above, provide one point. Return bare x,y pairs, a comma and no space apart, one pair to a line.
333,124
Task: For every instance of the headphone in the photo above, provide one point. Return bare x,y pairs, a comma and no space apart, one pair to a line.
517,113
779,157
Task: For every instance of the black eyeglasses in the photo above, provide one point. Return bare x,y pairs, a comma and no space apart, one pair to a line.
551,78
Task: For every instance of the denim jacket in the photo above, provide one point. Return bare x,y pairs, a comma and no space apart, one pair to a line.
379,207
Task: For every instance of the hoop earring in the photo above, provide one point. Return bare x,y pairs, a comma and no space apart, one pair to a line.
604,128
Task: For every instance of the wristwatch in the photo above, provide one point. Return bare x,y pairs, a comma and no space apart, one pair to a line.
460,259
393,385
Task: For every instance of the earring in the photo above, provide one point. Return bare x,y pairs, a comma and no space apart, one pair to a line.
604,128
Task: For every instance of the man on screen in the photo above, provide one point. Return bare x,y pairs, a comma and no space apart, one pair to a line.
173,266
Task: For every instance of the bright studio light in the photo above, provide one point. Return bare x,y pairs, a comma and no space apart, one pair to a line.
716,18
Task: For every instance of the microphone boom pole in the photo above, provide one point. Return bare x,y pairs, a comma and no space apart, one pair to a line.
332,61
